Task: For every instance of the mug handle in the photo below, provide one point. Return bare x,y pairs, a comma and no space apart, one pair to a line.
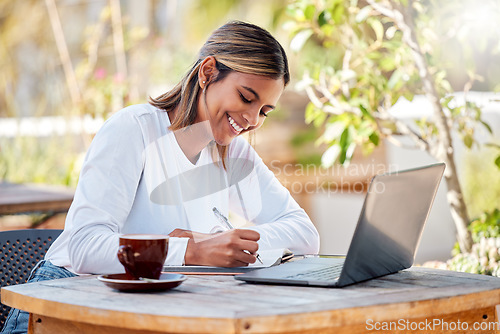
126,257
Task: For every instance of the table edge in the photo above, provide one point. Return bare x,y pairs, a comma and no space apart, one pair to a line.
351,316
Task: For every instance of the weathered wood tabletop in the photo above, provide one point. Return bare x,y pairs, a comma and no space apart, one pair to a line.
418,300
20,198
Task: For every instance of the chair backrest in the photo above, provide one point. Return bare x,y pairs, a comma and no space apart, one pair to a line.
20,251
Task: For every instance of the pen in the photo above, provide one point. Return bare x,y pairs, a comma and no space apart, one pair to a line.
226,222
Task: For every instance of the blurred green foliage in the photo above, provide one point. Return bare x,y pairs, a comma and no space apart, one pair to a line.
357,65
382,51
39,160
485,255
481,182
486,226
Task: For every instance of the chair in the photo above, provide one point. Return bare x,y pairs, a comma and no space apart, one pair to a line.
20,251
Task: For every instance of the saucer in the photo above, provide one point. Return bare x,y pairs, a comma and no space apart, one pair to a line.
119,282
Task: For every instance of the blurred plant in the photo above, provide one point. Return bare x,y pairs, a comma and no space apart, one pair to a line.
92,88
106,86
484,257
17,40
481,182
46,160
381,51
486,226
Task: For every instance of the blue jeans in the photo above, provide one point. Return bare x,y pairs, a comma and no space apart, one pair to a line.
17,320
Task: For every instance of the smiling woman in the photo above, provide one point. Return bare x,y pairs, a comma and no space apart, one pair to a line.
241,51
238,104
161,168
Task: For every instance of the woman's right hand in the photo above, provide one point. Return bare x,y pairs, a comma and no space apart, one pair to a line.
181,233
233,248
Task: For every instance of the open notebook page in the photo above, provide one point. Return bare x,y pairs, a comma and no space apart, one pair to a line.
269,257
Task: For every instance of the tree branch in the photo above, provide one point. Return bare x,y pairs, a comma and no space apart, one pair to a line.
420,142
386,11
443,150
120,58
62,48
93,50
116,19
323,88
398,143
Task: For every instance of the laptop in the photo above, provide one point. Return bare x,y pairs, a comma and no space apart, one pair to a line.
385,240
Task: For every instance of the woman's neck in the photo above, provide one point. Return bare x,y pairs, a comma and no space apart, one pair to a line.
193,138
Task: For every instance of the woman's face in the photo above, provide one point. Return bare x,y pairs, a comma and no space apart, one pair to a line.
238,103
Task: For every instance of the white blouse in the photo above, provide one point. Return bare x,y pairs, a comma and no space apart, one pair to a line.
136,179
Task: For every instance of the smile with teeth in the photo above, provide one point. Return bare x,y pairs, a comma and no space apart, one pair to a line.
235,125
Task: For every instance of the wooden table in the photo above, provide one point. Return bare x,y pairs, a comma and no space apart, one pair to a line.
21,198
414,299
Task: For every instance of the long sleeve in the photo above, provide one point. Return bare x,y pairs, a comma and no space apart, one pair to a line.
106,194
131,155
263,200
108,181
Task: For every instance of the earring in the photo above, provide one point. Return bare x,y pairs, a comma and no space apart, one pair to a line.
203,81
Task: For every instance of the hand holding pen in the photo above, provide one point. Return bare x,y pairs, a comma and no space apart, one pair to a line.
229,226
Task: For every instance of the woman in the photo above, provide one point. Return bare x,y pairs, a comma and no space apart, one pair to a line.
162,167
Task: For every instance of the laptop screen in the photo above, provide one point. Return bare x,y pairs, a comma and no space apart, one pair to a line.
391,223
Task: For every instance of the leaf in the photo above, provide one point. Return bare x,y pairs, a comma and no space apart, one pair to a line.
338,13
374,138
365,129
344,144
388,63
309,12
328,30
375,55
365,112
330,156
310,113
493,145
300,39
395,79
497,161
324,17
342,156
320,118
350,151
468,140
378,28
446,101
409,96
487,126
333,131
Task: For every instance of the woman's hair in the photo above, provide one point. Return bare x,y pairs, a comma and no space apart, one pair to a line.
236,46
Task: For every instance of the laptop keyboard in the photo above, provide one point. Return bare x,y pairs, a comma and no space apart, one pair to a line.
322,274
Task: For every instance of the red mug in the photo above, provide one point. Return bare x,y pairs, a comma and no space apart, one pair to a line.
142,255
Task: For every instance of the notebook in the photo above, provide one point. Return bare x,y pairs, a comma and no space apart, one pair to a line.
385,240
270,257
